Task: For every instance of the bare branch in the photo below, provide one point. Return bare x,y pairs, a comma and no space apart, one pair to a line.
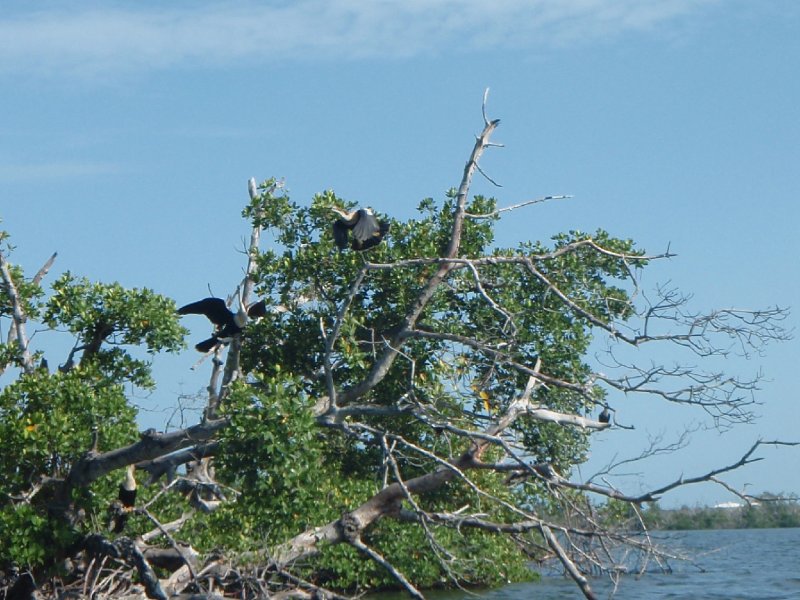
375,556
573,571
744,460
151,445
494,213
18,315
45,268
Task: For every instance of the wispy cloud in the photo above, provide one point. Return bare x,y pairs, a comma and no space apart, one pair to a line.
16,173
129,37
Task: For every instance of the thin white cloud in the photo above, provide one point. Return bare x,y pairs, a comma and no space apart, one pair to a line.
54,170
130,37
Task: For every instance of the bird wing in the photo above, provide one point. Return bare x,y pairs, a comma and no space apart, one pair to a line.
206,345
340,234
376,237
257,309
213,308
366,227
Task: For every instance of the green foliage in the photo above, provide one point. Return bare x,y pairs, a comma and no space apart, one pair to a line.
46,424
97,313
286,472
483,559
28,292
48,421
293,476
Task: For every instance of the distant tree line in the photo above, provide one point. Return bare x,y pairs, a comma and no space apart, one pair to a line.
768,511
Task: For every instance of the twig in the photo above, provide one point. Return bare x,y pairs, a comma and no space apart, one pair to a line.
172,543
375,556
494,213
744,460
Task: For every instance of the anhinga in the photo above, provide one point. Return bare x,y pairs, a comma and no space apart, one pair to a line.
228,324
362,224
127,500
127,489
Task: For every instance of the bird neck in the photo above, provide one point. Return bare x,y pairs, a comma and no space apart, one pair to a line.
130,481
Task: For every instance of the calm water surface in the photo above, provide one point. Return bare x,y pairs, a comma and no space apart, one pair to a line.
739,564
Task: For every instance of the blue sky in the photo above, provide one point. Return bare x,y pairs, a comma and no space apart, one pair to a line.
128,131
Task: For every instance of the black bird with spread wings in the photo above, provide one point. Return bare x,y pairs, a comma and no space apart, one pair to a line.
362,224
227,324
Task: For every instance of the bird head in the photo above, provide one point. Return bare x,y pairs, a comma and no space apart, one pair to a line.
343,213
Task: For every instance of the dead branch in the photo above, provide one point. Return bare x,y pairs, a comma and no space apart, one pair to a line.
17,314
375,556
387,501
495,213
151,445
573,571
125,549
744,460
45,268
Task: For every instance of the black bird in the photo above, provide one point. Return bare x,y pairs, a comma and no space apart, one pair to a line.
605,416
366,229
127,489
127,500
228,324
24,588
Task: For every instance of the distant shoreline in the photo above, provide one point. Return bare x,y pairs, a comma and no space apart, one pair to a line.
768,512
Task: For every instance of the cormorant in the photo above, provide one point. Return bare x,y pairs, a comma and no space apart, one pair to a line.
228,324
366,229
605,416
127,500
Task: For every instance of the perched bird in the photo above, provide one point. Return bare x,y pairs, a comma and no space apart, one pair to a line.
127,489
605,416
23,588
367,231
127,500
228,324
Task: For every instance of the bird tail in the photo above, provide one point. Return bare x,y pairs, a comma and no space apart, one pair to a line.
206,345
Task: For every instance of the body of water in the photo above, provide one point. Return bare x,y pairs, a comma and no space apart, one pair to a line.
732,564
